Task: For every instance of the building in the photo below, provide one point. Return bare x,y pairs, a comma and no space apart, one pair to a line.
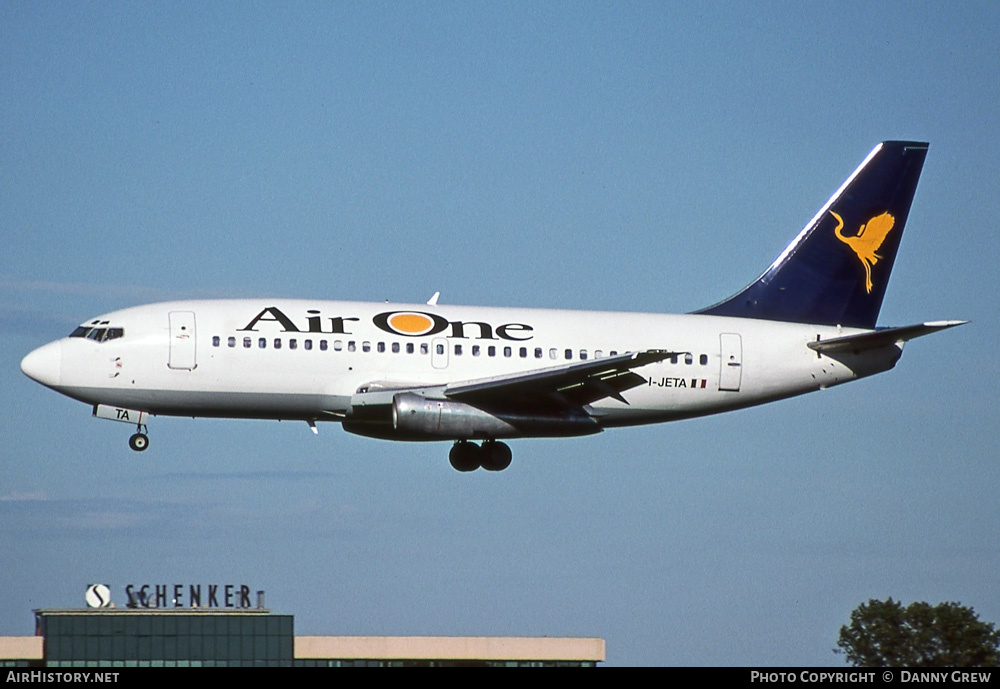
256,637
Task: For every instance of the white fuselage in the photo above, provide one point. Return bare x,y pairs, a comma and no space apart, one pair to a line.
297,359
479,375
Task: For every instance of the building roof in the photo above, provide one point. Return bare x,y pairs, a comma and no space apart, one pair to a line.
21,647
449,648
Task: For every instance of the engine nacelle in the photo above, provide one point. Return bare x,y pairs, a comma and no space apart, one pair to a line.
414,414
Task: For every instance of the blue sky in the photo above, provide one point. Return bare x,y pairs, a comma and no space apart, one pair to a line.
637,156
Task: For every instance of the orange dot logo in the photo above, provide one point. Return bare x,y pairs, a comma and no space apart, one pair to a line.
408,323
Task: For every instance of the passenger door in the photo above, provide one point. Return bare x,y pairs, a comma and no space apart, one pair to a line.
182,341
731,362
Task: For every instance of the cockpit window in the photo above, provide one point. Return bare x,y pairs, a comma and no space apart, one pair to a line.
98,334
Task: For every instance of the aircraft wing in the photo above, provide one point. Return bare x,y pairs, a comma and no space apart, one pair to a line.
559,387
880,338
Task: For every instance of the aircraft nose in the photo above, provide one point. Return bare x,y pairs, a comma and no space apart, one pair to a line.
44,364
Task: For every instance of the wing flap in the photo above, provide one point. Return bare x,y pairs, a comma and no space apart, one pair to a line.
570,385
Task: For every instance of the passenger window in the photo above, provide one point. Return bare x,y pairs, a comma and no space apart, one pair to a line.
350,345
322,345
293,343
688,359
507,351
583,354
366,346
262,343
409,348
308,344
569,353
538,352
381,347
523,352
598,354
395,348
475,350
703,359
424,349
491,350
439,348
216,341
458,350
673,358
553,353
338,345
277,343
612,353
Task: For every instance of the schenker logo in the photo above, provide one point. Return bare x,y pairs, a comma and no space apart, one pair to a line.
405,323
173,596
98,596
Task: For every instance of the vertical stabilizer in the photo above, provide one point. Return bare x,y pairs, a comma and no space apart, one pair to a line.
836,270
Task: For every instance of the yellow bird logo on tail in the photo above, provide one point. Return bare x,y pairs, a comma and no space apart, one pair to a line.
869,239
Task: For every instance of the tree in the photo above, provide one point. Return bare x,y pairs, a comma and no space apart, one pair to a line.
885,634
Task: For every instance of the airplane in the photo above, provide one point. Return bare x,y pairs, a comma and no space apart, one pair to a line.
476,376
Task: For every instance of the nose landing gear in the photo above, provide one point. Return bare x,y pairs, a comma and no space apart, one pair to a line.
139,440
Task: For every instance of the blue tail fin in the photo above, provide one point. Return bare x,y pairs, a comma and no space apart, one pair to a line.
835,272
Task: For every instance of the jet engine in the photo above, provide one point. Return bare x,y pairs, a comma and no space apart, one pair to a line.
412,416
442,418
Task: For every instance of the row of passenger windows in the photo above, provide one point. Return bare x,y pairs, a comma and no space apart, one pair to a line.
424,348
408,347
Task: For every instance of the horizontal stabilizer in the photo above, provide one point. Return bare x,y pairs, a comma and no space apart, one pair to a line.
880,338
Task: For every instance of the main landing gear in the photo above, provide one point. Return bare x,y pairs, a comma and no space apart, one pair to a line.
492,456
139,440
